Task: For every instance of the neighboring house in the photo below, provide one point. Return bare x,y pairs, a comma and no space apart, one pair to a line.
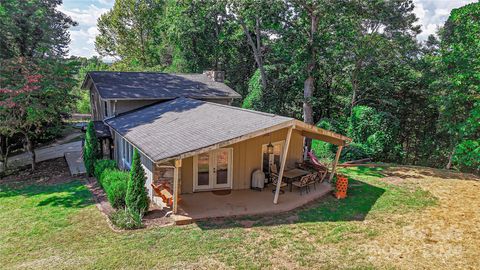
188,134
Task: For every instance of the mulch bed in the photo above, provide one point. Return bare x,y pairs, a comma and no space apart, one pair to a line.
50,172
154,218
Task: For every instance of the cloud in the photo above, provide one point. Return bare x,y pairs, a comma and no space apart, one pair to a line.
83,36
432,14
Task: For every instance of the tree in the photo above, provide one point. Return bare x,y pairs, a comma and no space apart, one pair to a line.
137,199
259,21
83,95
460,61
91,149
33,29
34,98
127,31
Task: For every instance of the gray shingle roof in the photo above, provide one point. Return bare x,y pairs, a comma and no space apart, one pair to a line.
153,85
179,126
101,130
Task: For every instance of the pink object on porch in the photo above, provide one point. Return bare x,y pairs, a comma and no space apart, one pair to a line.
314,160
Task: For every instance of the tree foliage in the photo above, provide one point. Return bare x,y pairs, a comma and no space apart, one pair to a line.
137,199
354,65
33,29
34,98
91,149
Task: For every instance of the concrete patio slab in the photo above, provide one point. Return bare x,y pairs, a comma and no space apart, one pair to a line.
203,205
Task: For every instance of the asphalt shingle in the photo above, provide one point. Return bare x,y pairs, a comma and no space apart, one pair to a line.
182,125
155,85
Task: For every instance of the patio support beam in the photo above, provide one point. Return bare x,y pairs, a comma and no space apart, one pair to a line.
334,165
178,165
282,165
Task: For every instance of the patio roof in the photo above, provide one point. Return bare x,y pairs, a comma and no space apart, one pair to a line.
185,127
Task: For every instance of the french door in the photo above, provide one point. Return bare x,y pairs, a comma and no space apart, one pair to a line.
213,170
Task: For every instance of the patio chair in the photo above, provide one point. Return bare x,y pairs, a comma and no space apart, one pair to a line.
305,182
320,177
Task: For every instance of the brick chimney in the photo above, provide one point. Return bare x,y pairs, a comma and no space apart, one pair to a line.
215,75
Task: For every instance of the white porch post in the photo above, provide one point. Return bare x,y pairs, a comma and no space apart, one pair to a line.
178,165
334,165
282,166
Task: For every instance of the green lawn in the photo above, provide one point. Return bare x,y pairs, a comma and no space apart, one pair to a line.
58,226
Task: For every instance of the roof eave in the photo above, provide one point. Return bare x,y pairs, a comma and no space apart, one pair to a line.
169,98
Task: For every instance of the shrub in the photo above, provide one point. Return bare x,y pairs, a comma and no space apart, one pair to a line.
355,151
91,149
126,219
114,182
137,199
101,165
467,155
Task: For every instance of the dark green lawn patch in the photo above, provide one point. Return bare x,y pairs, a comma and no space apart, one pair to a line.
367,194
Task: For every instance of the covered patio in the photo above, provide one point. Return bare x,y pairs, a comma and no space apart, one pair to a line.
208,204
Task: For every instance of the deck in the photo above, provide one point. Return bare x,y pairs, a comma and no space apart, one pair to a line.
244,202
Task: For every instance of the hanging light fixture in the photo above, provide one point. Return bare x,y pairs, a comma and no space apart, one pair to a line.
270,146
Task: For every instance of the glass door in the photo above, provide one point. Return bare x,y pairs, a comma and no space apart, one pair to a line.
221,170
203,172
213,170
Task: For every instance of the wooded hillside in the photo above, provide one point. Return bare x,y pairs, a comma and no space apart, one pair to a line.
354,67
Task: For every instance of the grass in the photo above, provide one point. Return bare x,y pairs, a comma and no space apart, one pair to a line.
58,226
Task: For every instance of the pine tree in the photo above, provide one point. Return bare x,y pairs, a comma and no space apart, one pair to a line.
91,149
137,199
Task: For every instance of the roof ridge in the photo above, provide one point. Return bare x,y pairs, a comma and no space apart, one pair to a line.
151,72
241,109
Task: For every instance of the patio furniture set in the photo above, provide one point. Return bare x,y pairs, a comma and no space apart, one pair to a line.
301,177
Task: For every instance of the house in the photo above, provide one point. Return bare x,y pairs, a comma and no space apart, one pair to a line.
189,135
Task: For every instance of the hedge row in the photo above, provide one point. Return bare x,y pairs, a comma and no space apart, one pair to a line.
113,181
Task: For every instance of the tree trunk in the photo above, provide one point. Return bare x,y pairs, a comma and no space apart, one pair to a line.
309,84
450,157
358,66
257,54
5,151
31,150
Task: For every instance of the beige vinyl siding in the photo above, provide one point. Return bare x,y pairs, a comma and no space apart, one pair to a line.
122,106
147,164
247,157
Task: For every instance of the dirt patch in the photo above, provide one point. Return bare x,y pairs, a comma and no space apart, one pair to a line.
442,236
394,180
50,172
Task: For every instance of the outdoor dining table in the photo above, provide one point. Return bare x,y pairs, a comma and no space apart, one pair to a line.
293,174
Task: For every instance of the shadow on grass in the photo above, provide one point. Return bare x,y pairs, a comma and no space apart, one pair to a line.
360,200
72,194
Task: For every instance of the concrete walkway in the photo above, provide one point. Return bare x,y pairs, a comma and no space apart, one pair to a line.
55,150
75,163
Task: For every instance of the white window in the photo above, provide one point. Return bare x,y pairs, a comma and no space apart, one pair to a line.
127,154
105,108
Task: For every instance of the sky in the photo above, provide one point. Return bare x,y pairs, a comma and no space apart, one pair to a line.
431,13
